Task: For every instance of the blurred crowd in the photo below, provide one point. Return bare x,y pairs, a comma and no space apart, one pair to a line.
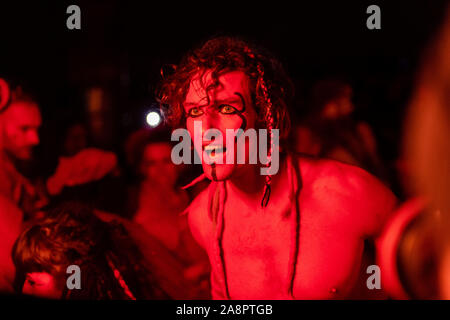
88,181
120,214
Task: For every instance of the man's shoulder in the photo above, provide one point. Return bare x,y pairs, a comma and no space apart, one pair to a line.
197,213
337,175
200,202
350,188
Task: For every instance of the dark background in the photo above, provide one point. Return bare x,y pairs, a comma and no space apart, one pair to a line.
123,44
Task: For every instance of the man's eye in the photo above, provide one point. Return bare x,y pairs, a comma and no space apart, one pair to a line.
227,109
195,112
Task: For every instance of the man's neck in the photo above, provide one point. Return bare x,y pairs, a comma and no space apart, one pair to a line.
20,167
249,184
7,160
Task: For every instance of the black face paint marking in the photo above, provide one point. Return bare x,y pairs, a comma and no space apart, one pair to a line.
243,127
213,172
240,114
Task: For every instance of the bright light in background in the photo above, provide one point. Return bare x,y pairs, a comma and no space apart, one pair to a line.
153,119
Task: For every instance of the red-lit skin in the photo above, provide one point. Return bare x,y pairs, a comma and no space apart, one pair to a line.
87,165
42,285
21,122
156,159
10,228
223,99
160,204
19,126
340,206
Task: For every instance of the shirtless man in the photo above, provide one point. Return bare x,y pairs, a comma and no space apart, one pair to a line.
305,240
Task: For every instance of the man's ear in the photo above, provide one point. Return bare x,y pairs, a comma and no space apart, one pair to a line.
5,94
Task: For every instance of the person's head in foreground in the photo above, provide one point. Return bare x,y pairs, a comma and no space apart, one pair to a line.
110,263
227,84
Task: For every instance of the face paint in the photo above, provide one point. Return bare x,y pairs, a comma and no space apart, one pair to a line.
241,113
226,106
213,172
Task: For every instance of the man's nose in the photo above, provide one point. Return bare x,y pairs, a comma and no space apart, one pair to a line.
209,122
206,123
33,138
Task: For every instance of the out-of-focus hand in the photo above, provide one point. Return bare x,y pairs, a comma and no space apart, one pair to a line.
86,166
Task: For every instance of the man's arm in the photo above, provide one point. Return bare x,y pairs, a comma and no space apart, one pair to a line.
371,204
378,200
10,228
87,166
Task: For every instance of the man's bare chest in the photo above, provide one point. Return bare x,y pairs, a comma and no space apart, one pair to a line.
261,250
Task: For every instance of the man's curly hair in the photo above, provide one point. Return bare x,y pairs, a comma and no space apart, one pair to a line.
225,54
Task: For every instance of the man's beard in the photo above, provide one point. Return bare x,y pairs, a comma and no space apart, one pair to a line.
21,159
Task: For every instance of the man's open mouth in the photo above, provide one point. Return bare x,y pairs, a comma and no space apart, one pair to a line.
212,150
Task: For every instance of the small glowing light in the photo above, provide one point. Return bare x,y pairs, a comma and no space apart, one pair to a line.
153,119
